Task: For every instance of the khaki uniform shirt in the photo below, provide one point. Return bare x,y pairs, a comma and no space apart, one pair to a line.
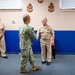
2,29
45,32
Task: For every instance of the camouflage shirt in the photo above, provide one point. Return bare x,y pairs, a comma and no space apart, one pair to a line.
26,33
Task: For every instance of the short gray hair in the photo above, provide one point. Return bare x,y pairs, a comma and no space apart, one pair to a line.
26,17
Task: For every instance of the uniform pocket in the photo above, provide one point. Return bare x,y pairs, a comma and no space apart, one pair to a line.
48,32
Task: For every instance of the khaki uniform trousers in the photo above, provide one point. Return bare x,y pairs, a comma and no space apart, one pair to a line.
46,50
2,47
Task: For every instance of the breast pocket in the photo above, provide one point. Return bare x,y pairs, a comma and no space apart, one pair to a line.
48,32
41,31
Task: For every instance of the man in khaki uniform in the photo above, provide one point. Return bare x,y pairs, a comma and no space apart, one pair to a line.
46,34
2,43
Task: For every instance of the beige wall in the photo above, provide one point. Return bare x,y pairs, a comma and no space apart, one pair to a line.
58,19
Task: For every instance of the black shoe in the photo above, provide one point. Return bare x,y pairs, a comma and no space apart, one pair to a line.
5,57
53,57
48,63
43,62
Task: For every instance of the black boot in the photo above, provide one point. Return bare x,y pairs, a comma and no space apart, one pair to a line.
48,63
43,62
4,57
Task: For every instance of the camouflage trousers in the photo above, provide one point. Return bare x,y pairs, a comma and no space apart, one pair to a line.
27,56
